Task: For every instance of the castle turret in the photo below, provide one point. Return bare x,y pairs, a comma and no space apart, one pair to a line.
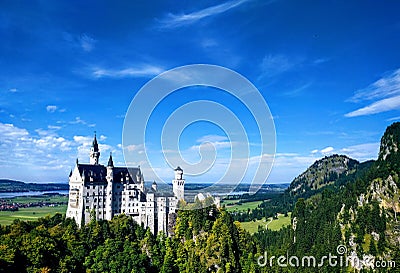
154,186
178,184
94,152
110,167
109,188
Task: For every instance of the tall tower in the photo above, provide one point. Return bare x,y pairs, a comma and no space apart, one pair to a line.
94,152
109,188
178,184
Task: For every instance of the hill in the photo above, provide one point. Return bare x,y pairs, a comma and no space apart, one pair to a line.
322,173
7,185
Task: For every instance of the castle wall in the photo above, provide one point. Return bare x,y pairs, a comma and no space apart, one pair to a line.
94,193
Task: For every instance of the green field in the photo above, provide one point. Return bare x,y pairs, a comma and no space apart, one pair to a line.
30,214
232,205
276,224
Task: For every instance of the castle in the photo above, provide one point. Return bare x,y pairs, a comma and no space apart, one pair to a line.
101,192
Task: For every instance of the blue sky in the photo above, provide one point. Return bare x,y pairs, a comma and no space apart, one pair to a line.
329,71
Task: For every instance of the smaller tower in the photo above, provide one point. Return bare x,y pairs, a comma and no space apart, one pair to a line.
109,188
154,186
110,167
94,152
178,184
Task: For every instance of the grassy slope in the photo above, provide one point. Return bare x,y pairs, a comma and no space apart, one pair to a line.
30,214
232,206
276,224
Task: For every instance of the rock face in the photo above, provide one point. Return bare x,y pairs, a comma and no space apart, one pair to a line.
380,199
390,141
322,173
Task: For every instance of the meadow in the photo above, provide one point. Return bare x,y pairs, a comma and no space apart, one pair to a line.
233,205
30,214
275,224
33,213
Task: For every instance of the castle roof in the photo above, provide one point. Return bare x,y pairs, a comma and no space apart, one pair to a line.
98,173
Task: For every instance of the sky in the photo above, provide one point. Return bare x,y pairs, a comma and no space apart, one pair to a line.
329,72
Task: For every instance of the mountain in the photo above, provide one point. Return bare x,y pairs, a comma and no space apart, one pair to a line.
322,173
390,142
340,202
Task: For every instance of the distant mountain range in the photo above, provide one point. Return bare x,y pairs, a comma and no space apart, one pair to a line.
7,185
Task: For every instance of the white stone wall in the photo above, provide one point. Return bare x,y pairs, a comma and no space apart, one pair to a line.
107,199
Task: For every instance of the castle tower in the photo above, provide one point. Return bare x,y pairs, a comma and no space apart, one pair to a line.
109,188
94,152
178,184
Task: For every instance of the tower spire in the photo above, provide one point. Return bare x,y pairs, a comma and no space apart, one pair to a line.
95,145
110,161
94,151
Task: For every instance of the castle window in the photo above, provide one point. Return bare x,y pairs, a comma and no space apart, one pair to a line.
95,200
95,206
87,194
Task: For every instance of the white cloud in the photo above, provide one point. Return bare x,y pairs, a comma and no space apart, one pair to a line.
176,20
212,138
78,120
387,86
377,107
52,127
211,146
13,90
323,152
33,152
385,93
327,150
362,152
394,118
51,108
135,148
275,64
143,71
87,42
10,131
43,155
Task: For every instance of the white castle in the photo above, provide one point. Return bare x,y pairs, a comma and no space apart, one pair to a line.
104,191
